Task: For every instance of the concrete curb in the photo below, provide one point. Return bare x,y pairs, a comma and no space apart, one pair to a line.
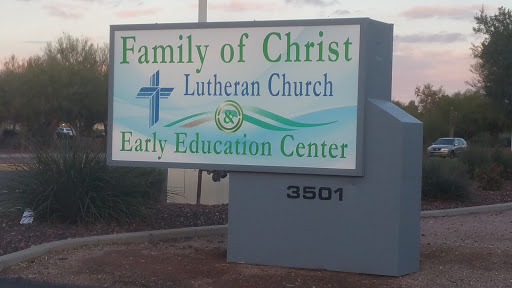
134,237
158,235
466,210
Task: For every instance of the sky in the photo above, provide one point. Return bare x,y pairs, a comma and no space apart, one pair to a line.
432,38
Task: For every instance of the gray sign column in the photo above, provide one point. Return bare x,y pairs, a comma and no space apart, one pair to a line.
373,227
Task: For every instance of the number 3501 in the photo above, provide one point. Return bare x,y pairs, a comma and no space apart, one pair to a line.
310,193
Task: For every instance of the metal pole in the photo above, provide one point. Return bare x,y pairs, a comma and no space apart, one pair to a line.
203,7
201,17
199,182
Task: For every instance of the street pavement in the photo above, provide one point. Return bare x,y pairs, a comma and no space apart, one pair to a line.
5,176
8,163
24,283
8,171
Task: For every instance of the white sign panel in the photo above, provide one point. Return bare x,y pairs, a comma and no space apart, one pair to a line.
279,99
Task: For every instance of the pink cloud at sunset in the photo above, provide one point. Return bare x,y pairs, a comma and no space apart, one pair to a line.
130,13
238,5
64,10
414,66
450,12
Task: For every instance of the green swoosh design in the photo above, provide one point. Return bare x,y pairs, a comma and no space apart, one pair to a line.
260,123
186,118
282,120
264,124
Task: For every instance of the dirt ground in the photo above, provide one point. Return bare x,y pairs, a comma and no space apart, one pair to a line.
462,251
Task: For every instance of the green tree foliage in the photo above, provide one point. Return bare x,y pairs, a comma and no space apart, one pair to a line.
432,111
470,112
494,57
477,114
67,83
411,108
428,97
77,70
10,88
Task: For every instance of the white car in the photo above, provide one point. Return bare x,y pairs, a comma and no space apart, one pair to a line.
447,147
64,131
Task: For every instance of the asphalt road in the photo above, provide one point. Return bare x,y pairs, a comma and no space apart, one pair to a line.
8,171
5,175
24,283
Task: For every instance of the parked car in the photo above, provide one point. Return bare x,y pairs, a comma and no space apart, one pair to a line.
447,147
64,132
102,134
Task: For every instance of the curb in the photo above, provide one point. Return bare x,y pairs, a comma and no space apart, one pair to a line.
158,235
466,210
134,237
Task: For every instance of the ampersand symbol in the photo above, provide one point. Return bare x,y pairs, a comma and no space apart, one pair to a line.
228,117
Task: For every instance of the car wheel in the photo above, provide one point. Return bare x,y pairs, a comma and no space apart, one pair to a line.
452,154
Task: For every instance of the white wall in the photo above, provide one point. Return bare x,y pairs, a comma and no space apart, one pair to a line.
182,187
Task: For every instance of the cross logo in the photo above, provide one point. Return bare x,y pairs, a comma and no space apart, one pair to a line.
154,93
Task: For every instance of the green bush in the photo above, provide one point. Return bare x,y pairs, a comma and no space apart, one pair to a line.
490,178
444,179
503,158
75,185
474,158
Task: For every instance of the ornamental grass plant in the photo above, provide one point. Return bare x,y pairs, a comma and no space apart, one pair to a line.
445,179
74,184
474,158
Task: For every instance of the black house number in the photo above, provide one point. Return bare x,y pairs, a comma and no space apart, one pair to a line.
311,193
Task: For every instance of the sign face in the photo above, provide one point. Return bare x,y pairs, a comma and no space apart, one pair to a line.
236,96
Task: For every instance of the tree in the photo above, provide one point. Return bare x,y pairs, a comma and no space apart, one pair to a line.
494,59
427,97
476,115
411,108
78,81
493,66
11,85
68,83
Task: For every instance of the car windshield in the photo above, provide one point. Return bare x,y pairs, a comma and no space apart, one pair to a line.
67,129
444,141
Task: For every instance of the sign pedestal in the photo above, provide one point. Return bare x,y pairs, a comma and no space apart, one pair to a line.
325,170
375,229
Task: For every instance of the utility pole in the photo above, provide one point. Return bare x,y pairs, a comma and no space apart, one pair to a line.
452,122
201,17
203,7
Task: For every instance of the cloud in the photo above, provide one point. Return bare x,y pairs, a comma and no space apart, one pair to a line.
340,12
459,12
414,65
130,13
64,10
313,2
432,38
238,5
38,42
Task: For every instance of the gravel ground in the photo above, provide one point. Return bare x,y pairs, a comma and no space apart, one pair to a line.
460,251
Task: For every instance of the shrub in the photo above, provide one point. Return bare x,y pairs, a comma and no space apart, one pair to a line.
474,158
503,158
489,178
75,185
444,179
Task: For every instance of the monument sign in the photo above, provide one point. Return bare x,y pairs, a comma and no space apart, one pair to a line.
325,172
